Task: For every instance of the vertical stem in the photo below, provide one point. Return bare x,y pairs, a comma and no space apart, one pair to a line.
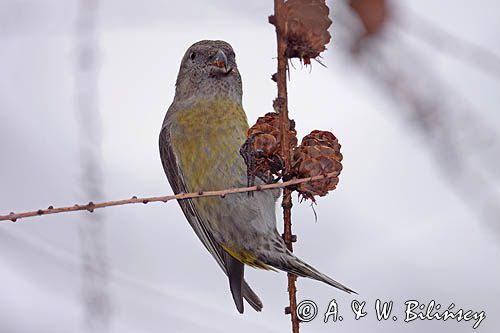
95,298
282,103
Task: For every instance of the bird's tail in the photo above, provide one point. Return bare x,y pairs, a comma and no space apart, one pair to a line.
251,297
240,290
289,263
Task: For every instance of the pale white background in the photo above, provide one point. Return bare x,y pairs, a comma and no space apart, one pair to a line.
392,230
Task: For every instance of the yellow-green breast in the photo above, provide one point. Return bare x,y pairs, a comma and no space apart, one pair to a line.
206,140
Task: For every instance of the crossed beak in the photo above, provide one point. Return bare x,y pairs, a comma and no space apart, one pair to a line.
219,59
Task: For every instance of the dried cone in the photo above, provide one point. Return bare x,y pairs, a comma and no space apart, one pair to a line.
319,154
265,146
270,124
305,24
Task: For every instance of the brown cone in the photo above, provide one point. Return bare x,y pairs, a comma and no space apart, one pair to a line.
319,154
264,146
305,24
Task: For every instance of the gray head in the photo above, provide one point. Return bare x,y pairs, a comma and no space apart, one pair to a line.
208,70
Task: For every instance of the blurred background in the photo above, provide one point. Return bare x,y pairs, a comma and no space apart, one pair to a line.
410,88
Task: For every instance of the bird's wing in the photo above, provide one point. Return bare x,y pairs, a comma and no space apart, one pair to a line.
225,261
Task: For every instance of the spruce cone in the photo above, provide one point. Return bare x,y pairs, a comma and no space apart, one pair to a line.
319,154
304,24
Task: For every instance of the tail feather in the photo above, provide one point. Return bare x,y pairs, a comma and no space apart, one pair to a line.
239,288
291,264
235,271
251,297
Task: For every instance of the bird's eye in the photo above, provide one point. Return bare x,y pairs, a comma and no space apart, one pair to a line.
192,56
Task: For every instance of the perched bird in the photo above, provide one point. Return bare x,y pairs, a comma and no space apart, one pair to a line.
199,148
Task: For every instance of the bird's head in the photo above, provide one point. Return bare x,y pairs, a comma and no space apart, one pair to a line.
208,69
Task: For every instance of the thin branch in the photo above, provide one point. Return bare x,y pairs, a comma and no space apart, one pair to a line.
134,200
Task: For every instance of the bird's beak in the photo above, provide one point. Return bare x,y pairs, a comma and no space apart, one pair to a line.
219,59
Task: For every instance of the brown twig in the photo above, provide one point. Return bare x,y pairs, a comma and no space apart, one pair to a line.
134,200
282,105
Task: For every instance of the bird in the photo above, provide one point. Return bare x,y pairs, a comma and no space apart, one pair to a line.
199,143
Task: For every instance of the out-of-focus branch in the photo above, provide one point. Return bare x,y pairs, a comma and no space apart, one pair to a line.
375,15
450,44
134,200
464,144
96,302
